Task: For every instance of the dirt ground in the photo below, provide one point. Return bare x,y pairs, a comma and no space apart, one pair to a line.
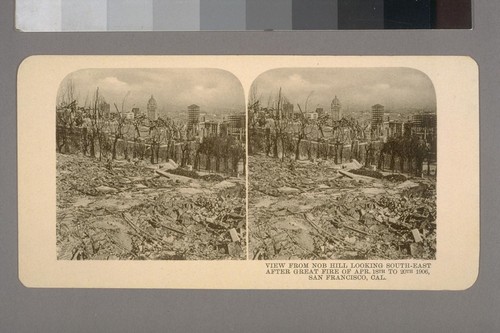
317,210
123,210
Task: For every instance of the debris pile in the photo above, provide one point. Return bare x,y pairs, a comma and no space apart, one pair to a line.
128,211
319,211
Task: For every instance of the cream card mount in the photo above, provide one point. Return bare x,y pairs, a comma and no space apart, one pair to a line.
248,172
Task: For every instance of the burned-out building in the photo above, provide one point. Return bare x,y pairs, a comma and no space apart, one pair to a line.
193,116
424,125
336,109
236,125
152,109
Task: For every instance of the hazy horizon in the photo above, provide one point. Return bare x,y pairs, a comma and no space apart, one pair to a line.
215,91
356,88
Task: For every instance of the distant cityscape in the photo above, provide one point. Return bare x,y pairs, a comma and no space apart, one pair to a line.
195,123
376,138
378,123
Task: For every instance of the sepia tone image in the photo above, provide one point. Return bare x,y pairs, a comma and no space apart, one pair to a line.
342,164
143,166
151,165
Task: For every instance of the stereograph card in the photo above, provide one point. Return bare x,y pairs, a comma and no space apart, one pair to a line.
249,172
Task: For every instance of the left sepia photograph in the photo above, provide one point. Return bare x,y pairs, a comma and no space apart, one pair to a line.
151,165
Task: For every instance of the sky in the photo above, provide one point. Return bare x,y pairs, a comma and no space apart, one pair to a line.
214,90
398,89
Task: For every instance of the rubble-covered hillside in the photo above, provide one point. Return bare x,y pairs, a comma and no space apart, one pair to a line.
319,210
123,210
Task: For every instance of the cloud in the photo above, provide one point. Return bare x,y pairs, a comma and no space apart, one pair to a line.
174,89
357,88
111,83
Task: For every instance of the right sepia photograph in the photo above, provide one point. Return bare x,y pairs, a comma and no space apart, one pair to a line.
342,164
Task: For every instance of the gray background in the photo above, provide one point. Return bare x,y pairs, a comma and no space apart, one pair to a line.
223,15
174,15
266,15
361,14
55,310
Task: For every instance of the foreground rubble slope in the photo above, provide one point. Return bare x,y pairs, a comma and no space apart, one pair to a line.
120,210
317,210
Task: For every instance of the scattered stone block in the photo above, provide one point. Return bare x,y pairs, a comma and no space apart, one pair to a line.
288,190
416,250
224,184
106,189
305,240
407,184
167,166
234,249
416,235
234,235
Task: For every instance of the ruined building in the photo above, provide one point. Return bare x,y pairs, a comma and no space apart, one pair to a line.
193,113
377,117
336,109
152,109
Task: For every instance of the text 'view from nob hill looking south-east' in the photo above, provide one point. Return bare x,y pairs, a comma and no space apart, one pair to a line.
151,165
342,164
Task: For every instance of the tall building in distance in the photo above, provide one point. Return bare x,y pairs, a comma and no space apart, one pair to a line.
193,115
288,110
427,119
424,125
203,117
211,128
395,128
237,120
377,116
336,109
236,125
152,109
